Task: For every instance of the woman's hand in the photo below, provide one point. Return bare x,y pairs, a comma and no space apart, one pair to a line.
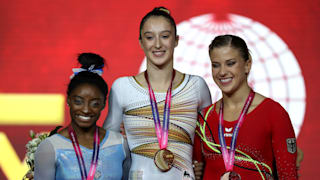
225,176
122,130
300,156
29,175
198,169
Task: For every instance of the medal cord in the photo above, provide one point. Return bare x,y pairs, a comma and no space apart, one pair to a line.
213,146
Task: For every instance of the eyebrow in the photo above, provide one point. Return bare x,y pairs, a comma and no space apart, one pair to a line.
168,31
225,60
83,98
75,96
98,99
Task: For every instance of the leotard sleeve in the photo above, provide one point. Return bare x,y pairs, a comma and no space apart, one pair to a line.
115,110
283,143
45,161
127,162
204,101
204,94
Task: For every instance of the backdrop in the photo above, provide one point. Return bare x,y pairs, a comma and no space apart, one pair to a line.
40,39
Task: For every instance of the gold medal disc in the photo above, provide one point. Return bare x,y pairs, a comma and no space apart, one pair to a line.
163,159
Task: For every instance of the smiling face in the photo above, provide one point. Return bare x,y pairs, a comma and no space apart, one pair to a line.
86,103
229,69
158,41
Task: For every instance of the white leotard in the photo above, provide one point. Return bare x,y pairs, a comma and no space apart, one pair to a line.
129,102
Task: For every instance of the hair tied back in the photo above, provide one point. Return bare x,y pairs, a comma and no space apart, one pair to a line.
163,9
90,69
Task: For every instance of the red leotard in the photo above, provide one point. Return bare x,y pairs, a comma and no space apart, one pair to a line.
263,136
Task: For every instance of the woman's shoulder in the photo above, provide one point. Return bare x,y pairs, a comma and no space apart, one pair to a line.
198,79
258,99
194,77
50,142
114,134
268,104
261,99
121,80
113,138
54,138
60,140
208,109
122,84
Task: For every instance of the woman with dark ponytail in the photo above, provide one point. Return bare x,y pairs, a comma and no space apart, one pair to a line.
83,150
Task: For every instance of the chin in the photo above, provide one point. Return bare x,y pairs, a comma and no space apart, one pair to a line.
160,61
85,124
227,90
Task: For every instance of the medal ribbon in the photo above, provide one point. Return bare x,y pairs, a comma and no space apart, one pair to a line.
95,155
228,155
162,134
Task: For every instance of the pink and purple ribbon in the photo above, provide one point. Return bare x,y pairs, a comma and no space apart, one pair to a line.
95,155
228,155
162,134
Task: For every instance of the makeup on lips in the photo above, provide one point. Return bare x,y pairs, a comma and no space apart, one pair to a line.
225,81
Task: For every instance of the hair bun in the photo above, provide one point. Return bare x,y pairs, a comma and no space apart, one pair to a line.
161,8
88,59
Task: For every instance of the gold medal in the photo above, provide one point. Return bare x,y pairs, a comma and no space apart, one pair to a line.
163,159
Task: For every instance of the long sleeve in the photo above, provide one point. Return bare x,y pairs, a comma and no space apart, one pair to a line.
283,144
45,161
204,101
204,94
127,162
115,111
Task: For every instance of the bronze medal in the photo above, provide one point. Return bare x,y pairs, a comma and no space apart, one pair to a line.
232,175
163,159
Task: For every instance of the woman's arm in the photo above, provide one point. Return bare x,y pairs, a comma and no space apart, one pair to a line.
115,110
283,143
127,162
198,159
204,94
45,161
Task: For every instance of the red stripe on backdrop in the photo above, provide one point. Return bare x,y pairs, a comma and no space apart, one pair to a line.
39,41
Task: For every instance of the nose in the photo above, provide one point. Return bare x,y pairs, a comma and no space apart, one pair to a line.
157,42
85,108
222,71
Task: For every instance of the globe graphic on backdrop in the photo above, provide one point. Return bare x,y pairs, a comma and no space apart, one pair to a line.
275,72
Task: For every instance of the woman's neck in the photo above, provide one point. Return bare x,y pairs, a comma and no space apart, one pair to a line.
83,132
237,98
160,78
